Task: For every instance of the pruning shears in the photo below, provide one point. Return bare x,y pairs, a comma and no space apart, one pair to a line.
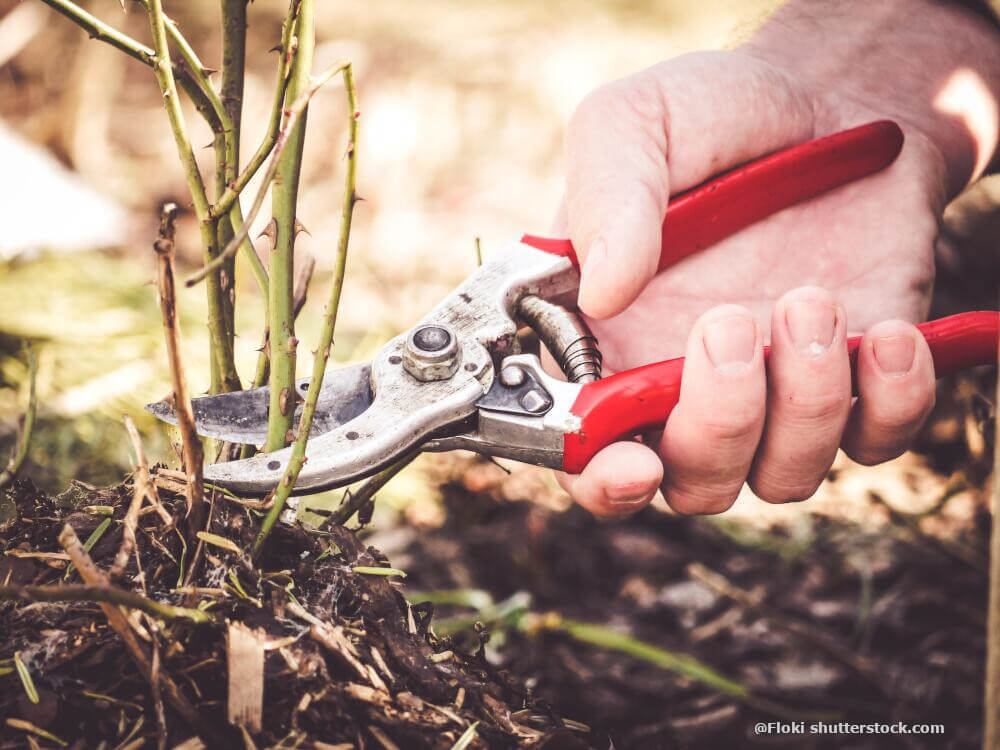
458,380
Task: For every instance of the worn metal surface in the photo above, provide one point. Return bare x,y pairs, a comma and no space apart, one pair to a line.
405,412
241,417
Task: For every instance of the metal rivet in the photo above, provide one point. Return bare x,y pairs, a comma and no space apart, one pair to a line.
304,387
470,366
432,338
395,359
272,465
352,436
534,401
512,376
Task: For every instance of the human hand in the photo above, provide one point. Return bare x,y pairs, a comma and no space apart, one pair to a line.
802,279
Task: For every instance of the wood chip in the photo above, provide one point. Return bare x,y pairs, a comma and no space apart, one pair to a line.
336,642
245,659
193,743
383,738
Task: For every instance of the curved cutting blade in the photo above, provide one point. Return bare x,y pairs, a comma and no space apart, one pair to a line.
241,417
404,412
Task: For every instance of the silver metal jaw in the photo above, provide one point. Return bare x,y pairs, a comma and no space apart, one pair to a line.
513,430
405,411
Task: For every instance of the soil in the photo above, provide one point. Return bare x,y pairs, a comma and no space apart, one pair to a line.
851,626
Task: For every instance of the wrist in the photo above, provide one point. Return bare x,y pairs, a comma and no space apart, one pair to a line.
932,65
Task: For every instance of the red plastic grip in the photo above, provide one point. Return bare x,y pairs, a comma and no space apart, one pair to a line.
716,209
641,399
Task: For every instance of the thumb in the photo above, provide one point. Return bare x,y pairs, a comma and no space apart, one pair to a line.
666,128
616,191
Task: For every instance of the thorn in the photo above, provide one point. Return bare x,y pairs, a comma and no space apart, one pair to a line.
208,71
271,232
289,437
356,200
300,227
276,48
357,114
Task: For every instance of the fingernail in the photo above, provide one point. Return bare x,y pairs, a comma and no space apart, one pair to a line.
894,354
596,255
811,324
730,343
625,494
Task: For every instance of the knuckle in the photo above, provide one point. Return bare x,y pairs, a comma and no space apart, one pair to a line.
778,486
731,427
869,455
801,408
690,500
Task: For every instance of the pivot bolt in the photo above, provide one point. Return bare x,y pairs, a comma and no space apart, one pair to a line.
535,401
512,376
431,338
431,353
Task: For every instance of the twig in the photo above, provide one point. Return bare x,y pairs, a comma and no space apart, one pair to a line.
27,425
224,372
286,52
293,113
142,466
97,29
141,480
192,448
367,491
808,632
93,576
991,702
297,458
74,592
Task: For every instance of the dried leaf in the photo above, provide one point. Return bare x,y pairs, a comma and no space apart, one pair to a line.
219,541
22,671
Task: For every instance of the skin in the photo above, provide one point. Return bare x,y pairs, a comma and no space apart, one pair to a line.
859,259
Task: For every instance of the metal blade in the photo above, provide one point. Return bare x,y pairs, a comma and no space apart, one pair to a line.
241,417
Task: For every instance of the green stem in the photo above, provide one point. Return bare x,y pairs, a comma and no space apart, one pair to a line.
21,451
284,199
225,377
297,459
286,52
293,113
111,595
234,24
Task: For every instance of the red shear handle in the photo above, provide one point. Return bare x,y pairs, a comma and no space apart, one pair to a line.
641,399
716,209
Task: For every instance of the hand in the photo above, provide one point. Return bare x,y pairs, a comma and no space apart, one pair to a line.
801,280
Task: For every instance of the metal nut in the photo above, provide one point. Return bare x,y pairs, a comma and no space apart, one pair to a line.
431,353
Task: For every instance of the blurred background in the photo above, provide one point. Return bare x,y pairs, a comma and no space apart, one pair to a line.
463,108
